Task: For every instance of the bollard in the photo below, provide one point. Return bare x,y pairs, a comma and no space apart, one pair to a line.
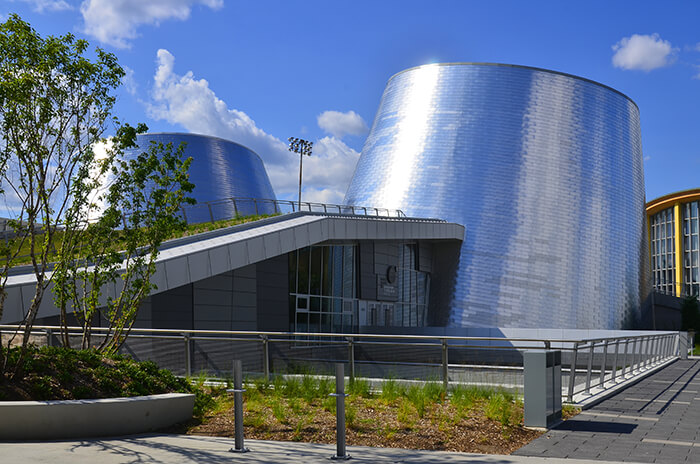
238,407
340,411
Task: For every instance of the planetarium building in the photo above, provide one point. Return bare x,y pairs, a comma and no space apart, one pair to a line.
545,172
220,170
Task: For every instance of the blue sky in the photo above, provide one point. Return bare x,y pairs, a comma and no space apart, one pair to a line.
257,72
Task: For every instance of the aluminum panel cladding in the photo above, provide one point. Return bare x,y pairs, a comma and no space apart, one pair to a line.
545,171
220,170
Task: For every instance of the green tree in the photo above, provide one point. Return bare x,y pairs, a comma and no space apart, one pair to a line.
56,104
121,248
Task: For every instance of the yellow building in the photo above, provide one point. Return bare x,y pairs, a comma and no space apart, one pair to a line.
673,242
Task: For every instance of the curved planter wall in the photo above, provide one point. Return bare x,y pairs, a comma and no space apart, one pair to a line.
41,420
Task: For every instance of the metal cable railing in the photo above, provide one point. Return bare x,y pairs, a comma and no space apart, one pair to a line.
230,208
589,366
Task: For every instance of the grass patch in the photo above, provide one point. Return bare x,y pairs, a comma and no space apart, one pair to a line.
192,229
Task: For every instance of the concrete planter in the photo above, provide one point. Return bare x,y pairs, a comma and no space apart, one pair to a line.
41,420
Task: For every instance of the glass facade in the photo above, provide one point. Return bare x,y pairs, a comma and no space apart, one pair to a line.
691,283
322,286
220,169
544,170
323,292
665,258
663,251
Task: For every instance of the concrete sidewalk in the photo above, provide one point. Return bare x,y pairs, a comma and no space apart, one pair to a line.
179,449
657,420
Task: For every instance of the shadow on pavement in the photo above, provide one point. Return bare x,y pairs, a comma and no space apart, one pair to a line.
574,425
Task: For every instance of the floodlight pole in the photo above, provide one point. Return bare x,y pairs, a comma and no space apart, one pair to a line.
303,147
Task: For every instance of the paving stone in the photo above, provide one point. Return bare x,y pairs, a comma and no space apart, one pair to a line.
591,436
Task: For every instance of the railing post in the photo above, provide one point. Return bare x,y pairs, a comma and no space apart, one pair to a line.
211,215
587,391
572,374
255,200
238,407
49,337
340,412
614,369
624,359
188,355
184,215
266,357
635,356
445,360
235,207
603,365
351,358
648,350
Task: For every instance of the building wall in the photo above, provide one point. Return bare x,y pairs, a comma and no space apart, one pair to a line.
674,234
220,169
545,172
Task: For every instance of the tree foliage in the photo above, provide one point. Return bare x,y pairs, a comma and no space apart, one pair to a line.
138,211
56,102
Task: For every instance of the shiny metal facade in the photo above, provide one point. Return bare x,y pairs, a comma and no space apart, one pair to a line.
545,171
220,169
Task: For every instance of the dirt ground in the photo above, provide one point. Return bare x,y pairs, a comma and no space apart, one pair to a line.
377,424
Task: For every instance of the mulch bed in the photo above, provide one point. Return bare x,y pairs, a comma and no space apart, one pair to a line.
377,424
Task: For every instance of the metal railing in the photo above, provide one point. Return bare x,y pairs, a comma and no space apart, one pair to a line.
229,208
588,366
618,359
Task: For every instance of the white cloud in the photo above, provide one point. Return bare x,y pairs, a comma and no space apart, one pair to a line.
115,22
129,81
41,6
643,52
189,102
340,124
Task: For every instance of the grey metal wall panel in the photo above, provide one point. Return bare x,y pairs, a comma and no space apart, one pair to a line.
220,169
545,171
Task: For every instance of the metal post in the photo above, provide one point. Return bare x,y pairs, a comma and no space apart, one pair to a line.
587,391
211,215
235,207
648,351
624,359
614,369
445,359
255,200
49,337
184,215
266,357
634,356
603,365
572,374
188,355
238,407
351,358
340,411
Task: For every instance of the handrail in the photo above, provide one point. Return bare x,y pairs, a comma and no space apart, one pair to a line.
267,206
607,360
